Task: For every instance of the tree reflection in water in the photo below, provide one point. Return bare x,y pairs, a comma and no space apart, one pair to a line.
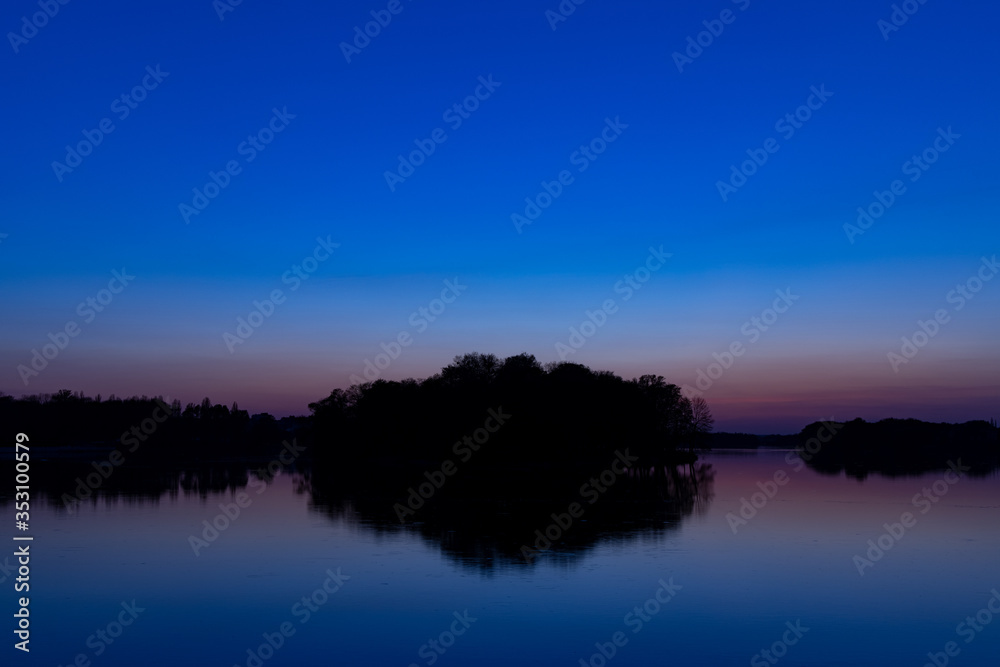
490,529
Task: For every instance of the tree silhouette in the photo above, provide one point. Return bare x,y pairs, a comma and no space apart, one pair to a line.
702,420
564,413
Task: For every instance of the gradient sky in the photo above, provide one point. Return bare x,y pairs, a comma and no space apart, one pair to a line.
655,185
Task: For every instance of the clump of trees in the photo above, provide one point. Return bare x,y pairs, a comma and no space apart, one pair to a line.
432,455
899,446
560,414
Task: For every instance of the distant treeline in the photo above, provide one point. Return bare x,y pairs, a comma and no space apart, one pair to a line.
558,415
751,441
143,425
899,446
487,412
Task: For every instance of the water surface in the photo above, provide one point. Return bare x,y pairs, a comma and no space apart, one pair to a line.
730,596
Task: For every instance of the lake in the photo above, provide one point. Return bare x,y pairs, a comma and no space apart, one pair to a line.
786,577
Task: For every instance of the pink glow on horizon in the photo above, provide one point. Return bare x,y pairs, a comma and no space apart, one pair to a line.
755,395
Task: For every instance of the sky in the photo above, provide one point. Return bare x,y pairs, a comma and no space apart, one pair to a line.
651,176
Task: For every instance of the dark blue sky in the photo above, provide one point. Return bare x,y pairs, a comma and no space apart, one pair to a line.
656,184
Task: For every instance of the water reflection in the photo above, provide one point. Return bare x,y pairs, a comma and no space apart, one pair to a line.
66,484
514,520
980,468
486,531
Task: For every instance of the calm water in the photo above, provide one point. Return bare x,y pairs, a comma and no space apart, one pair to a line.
732,595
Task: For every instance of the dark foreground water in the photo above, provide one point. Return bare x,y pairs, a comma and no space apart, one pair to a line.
119,582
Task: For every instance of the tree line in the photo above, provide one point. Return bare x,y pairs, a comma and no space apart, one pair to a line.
561,413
